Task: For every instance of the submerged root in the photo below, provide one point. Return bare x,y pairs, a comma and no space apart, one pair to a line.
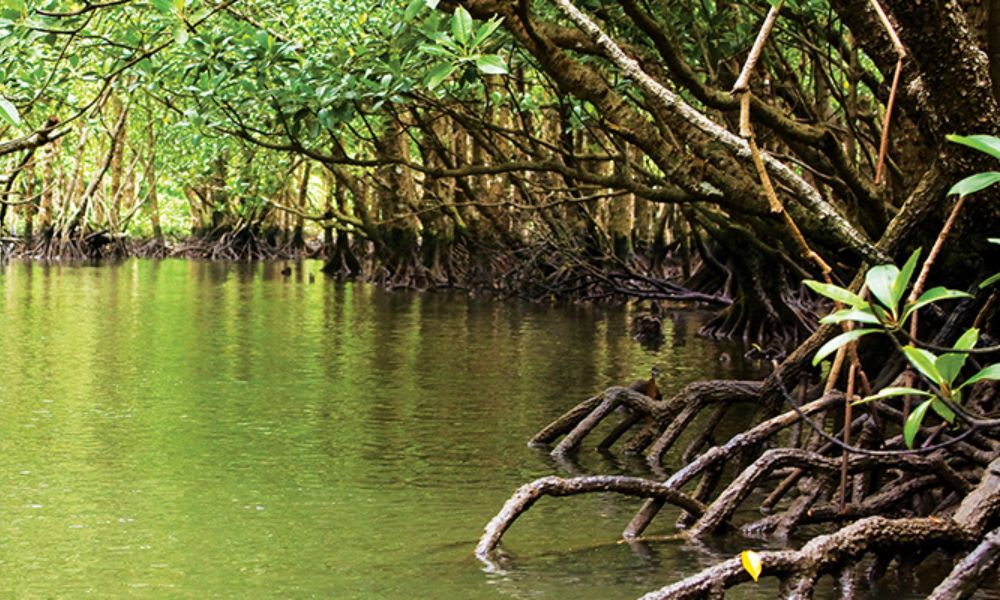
972,570
799,570
889,503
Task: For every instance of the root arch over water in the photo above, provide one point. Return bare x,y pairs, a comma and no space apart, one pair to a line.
897,506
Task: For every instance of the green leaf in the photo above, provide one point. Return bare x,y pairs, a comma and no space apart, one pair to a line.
903,280
9,113
933,295
881,280
943,410
850,314
975,183
486,30
968,340
984,143
890,392
461,25
491,64
438,51
837,294
950,365
844,338
164,7
924,361
912,425
990,372
438,74
990,280
413,9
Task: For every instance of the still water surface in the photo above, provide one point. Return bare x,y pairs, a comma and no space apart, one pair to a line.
190,429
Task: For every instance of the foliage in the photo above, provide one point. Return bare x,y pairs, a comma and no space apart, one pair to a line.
941,372
888,314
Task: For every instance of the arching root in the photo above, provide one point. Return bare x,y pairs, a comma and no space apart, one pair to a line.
664,421
528,494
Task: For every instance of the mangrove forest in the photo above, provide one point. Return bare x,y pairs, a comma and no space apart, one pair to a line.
486,299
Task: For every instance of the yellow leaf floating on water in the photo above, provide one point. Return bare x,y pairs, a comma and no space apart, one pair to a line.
751,562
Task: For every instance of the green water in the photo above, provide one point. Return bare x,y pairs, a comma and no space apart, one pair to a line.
192,430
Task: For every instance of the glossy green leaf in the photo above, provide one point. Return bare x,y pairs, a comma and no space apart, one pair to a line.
836,293
912,425
438,74
943,410
461,25
984,143
9,112
890,392
933,295
486,30
950,365
903,280
975,183
990,372
880,281
413,9
491,64
923,361
990,280
844,338
967,341
438,51
850,314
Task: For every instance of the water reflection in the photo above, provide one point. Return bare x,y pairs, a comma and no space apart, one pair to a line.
206,429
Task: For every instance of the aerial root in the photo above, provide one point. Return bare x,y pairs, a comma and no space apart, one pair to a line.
528,494
733,496
891,503
800,569
972,570
663,421
839,553
580,420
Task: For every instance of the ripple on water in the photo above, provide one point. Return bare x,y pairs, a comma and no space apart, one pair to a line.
192,429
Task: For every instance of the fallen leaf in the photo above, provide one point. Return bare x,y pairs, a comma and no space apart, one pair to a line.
751,562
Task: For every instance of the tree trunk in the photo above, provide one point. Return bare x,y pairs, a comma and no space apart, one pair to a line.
152,199
29,194
298,238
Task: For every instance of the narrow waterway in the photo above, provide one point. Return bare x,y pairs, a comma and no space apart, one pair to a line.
193,429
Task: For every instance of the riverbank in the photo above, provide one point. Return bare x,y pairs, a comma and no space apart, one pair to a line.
536,273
